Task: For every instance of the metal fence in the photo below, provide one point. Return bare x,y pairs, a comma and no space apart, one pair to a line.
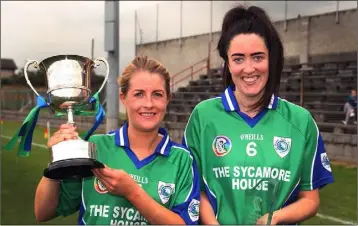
17,100
177,19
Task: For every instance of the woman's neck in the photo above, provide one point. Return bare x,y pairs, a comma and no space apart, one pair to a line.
143,143
246,103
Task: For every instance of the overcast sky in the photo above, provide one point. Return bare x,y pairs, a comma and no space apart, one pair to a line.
37,30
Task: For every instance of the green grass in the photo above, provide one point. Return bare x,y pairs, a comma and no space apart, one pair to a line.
20,176
339,199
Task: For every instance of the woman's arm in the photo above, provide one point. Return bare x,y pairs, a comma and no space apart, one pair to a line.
207,215
46,199
48,191
316,173
304,208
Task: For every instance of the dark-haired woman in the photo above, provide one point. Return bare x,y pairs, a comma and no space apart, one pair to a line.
256,153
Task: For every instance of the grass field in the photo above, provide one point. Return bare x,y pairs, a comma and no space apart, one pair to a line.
19,178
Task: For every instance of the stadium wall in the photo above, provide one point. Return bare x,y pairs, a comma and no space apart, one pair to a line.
306,39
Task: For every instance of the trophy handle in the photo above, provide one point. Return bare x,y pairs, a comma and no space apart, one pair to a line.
36,65
97,62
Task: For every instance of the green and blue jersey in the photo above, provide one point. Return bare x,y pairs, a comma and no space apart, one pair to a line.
242,160
169,176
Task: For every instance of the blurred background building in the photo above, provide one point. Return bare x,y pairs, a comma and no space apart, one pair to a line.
181,33
320,40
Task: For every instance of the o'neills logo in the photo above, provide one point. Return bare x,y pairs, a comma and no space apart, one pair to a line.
99,187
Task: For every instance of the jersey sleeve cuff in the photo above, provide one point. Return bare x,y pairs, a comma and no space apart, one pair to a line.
317,184
183,210
202,185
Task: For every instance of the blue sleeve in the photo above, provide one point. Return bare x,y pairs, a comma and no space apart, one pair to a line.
187,202
316,168
322,172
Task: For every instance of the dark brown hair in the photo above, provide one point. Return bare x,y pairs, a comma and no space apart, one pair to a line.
253,20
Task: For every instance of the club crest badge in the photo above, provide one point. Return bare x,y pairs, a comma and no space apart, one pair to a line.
325,162
193,210
99,187
282,145
221,145
165,190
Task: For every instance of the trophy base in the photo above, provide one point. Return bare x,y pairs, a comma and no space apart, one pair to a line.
72,168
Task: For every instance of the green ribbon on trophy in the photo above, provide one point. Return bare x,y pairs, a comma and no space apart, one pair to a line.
99,116
68,80
27,128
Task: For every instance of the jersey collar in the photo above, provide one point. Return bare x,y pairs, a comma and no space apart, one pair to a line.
230,103
163,148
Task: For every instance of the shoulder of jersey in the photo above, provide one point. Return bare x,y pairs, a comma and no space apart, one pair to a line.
178,150
101,136
212,103
292,110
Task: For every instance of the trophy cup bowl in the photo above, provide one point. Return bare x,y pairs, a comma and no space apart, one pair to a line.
68,80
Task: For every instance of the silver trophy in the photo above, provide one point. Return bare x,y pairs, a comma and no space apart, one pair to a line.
68,79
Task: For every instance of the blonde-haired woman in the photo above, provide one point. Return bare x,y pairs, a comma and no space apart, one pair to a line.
147,179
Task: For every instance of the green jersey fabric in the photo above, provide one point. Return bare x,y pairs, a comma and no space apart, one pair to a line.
242,160
169,176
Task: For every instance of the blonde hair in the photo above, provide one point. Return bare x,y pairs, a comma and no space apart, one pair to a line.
143,63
